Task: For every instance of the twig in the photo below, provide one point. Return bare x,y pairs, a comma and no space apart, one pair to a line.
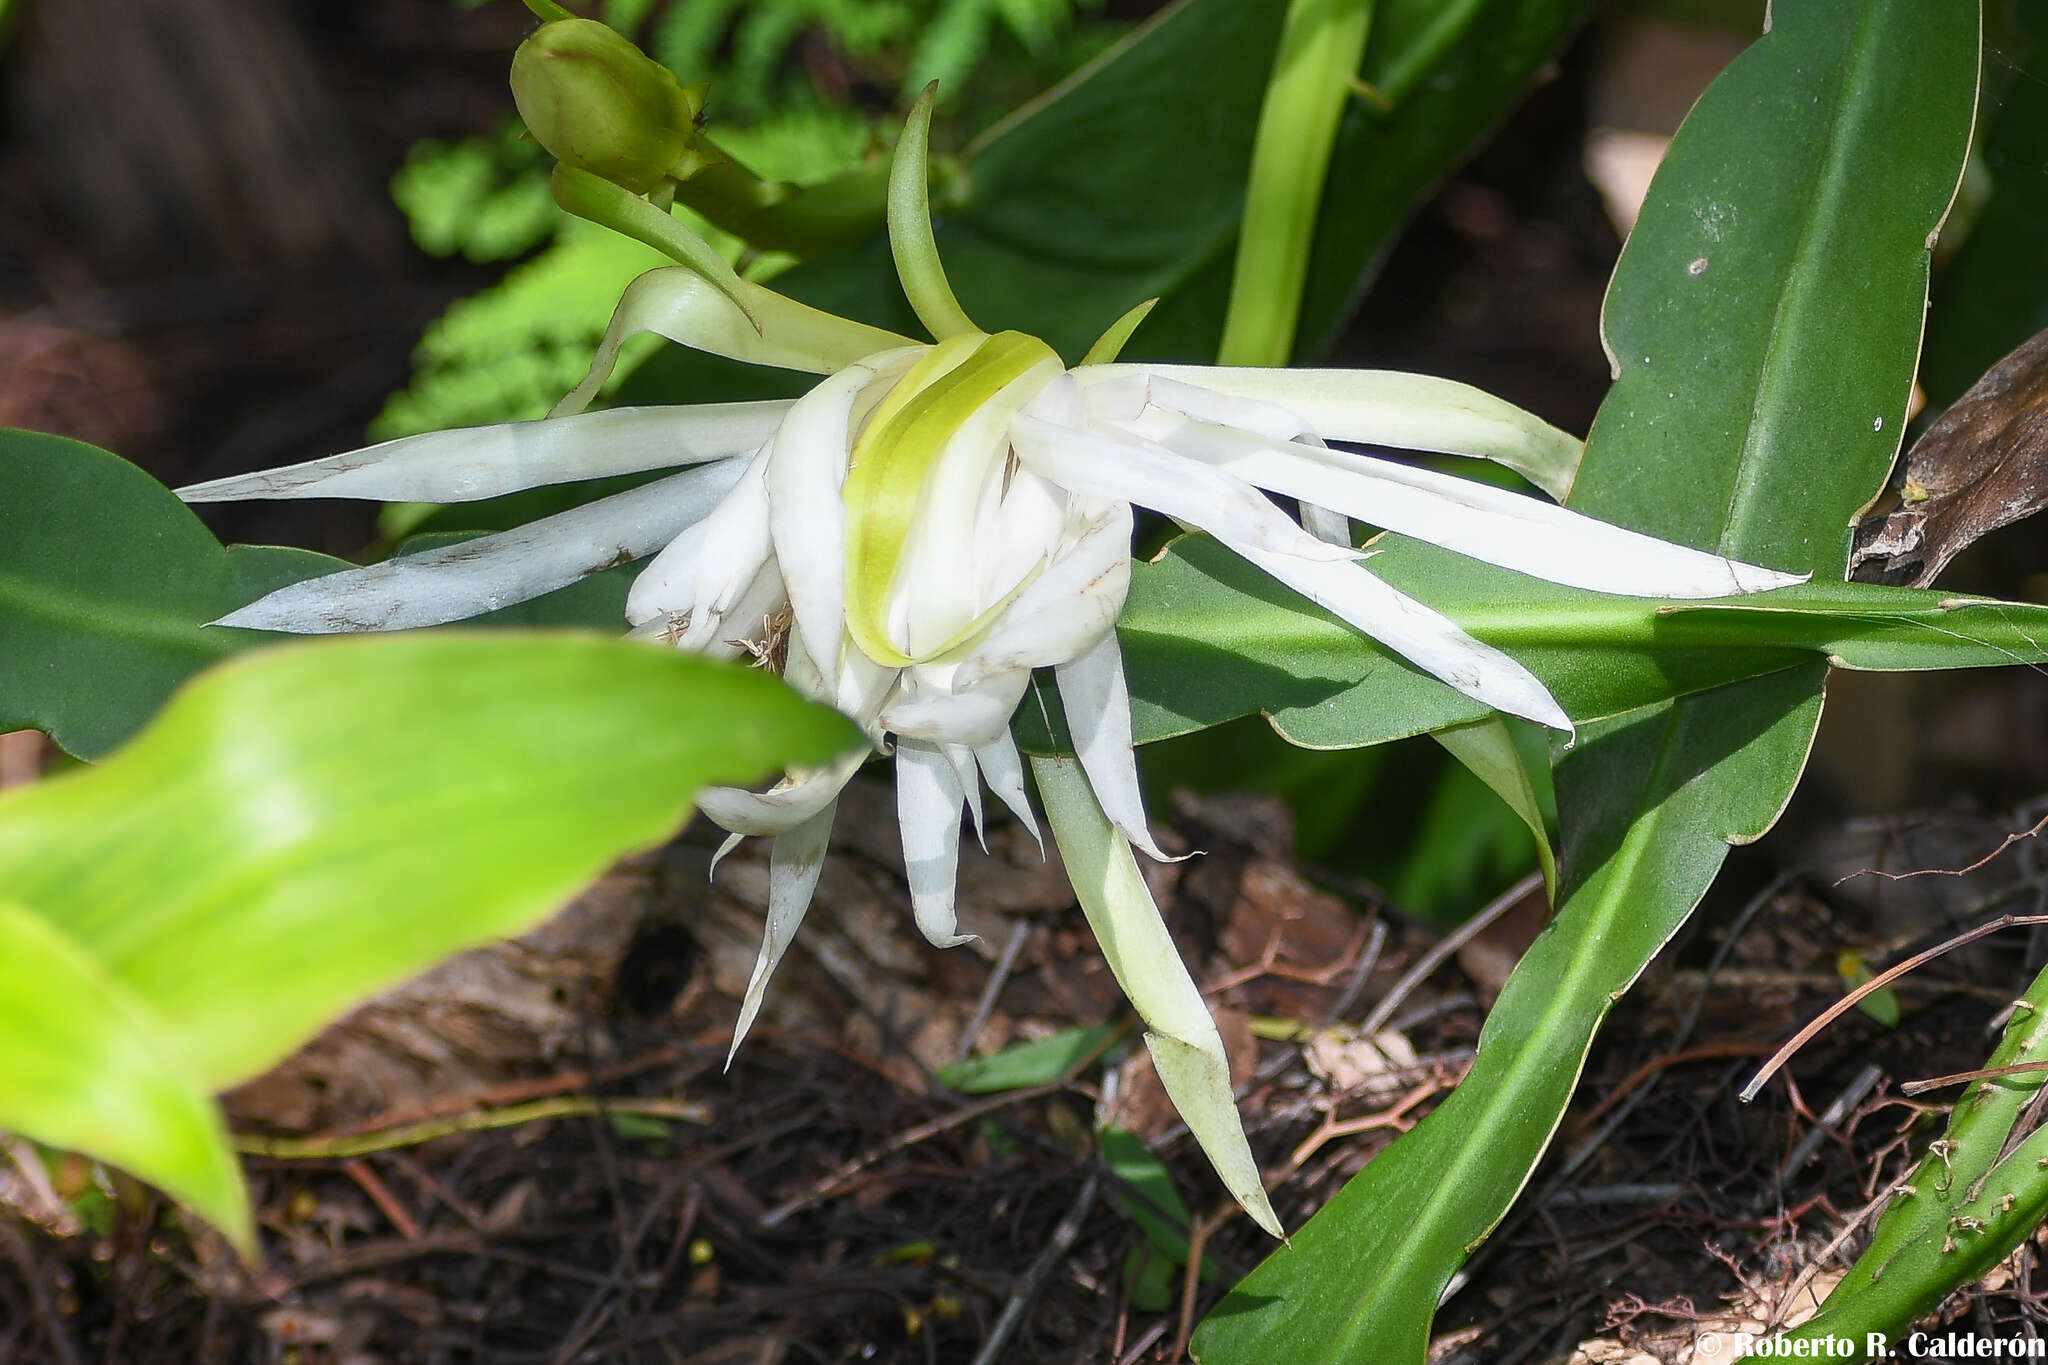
368,1181
1964,1077
1878,982
997,979
1441,953
1860,1085
1191,1276
1063,1238
511,1116
2010,840
909,1137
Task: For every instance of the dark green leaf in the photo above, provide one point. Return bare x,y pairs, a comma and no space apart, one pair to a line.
310,824
1765,322
106,583
1039,1062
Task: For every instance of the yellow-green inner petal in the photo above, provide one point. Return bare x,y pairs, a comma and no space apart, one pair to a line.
1111,343
892,464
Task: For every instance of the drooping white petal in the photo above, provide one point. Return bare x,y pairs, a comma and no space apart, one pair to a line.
1098,707
454,582
795,861
969,777
971,715
1126,469
928,800
1489,524
1065,609
703,570
1426,638
791,801
1003,769
806,518
1181,1035
485,462
1388,408
681,305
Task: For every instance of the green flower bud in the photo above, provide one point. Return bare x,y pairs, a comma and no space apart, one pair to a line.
600,104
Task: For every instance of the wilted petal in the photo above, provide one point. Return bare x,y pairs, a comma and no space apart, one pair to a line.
794,863
972,716
789,803
928,801
454,582
1098,707
1389,408
485,462
1488,524
969,778
1135,471
1003,769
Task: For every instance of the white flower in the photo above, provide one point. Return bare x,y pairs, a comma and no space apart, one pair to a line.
932,522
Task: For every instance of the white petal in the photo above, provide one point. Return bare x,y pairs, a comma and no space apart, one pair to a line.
458,581
790,802
972,716
1426,638
704,569
1066,609
806,518
1489,524
928,799
794,863
1003,770
1098,707
681,305
1127,469
969,777
1385,407
485,462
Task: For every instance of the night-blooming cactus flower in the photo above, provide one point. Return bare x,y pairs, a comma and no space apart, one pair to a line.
932,522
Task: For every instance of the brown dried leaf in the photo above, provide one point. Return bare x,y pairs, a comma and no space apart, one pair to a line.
1982,466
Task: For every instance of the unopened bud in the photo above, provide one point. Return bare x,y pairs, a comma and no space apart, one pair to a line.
600,104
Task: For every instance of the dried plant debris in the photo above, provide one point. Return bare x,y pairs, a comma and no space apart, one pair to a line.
1983,465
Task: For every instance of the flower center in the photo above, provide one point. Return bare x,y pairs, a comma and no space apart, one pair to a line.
917,484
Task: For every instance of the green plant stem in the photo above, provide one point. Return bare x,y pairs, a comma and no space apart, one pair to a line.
1320,49
608,205
1964,1207
481,1120
803,220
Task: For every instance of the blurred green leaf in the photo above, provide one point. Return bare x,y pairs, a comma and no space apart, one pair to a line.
106,583
310,824
1765,321
84,1066
1021,1065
